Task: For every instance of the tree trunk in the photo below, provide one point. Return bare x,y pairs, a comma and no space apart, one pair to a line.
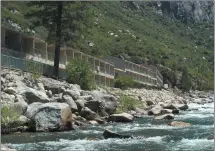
58,39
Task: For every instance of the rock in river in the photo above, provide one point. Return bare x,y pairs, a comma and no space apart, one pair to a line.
123,117
109,134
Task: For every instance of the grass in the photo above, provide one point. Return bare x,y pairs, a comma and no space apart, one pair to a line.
127,103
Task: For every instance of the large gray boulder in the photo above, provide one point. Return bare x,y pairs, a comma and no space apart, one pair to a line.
33,109
109,101
69,100
95,105
20,105
33,95
88,114
53,117
80,103
54,85
123,117
72,93
110,134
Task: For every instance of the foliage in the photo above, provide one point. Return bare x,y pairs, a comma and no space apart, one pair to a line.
185,80
127,103
8,114
142,35
124,82
79,72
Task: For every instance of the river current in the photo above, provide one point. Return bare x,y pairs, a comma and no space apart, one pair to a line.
150,135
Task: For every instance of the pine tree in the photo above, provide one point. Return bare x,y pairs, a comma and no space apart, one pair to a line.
185,80
60,18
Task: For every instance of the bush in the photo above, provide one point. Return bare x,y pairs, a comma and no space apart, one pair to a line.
79,72
127,103
8,115
124,82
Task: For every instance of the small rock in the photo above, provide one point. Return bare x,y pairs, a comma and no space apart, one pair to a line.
109,134
165,116
179,124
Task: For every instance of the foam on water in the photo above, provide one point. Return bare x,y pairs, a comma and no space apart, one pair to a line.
194,144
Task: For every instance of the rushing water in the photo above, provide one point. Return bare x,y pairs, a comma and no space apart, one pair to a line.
150,135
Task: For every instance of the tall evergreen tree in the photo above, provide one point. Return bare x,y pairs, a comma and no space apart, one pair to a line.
60,18
185,80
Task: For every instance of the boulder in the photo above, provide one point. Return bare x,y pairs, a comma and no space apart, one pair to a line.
20,105
109,101
88,114
49,93
33,109
166,111
54,85
169,106
179,124
95,105
165,116
156,110
53,117
182,106
72,93
110,134
123,117
140,111
41,86
68,99
92,122
10,90
86,97
80,103
33,95
149,102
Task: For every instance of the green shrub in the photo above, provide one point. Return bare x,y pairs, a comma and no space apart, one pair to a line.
8,114
127,103
79,72
124,82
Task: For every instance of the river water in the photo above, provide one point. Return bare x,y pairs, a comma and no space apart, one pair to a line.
150,135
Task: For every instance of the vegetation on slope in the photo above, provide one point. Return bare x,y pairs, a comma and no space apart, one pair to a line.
139,35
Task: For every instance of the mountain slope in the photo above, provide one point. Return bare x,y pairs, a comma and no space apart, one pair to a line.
138,33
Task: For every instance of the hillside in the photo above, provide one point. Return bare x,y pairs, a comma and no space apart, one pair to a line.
138,33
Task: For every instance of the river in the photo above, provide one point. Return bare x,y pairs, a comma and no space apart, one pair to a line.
150,135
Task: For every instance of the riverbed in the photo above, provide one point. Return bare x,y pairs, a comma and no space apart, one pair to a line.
150,135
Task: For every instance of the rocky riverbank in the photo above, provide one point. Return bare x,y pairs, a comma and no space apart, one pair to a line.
45,104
